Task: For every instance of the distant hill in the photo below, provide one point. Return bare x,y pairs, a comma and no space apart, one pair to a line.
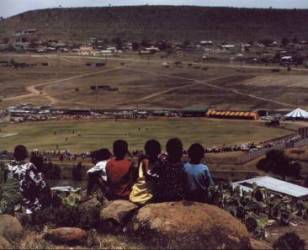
162,22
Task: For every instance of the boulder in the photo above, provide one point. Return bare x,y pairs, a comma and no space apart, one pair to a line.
10,228
4,244
89,213
180,225
66,235
258,244
115,215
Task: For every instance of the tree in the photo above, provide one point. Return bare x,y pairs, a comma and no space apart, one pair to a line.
266,42
185,44
135,46
277,162
285,41
145,43
118,43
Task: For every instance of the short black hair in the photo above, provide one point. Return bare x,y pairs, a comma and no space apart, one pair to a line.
101,154
174,149
20,153
152,148
120,149
196,152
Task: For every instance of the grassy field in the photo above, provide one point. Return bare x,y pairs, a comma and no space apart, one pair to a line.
89,135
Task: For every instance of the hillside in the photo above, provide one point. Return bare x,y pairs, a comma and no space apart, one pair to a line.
162,22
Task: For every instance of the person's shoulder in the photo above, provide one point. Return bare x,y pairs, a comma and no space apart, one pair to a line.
203,167
101,163
110,162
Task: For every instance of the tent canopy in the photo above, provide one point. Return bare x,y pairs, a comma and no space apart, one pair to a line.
297,113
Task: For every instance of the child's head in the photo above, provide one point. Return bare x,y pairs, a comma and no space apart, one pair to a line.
20,153
102,154
152,148
120,149
196,153
174,149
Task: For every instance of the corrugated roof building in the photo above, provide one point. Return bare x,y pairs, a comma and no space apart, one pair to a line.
274,185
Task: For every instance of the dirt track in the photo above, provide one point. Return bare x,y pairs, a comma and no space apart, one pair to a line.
192,82
33,91
207,83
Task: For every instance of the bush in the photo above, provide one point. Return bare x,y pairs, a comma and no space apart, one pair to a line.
278,162
289,241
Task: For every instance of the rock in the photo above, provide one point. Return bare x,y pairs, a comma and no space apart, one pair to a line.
10,228
4,244
258,244
192,225
89,213
66,235
115,214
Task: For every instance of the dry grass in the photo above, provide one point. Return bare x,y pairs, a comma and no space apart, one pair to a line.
147,84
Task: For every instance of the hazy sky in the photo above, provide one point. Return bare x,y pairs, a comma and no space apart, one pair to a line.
12,7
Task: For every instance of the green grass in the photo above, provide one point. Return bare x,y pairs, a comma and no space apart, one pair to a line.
95,134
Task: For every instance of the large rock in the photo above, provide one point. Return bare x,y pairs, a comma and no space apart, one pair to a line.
10,228
115,215
189,225
66,235
4,244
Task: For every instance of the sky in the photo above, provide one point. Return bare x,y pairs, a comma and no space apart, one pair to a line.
13,7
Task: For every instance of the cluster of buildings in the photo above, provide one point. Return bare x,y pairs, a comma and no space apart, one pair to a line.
286,52
28,112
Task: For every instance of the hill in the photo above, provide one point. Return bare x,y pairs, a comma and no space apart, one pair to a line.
161,22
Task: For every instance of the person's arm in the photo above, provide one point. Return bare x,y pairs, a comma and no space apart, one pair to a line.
150,174
36,177
211,182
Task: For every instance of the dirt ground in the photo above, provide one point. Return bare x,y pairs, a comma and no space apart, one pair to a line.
145,83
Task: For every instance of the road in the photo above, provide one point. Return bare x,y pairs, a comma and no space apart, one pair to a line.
33,91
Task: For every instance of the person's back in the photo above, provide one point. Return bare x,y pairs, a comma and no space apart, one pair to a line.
198,175
119,172
32,186
142,191
171,181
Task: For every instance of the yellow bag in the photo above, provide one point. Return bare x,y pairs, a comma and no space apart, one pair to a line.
141,192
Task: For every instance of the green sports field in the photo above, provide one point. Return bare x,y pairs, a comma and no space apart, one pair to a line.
80,136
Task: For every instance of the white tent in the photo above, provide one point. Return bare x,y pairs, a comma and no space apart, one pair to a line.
297,113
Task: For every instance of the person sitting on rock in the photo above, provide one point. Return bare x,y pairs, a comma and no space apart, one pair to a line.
120,172
142,189
170,178
32,186
97,174
198,175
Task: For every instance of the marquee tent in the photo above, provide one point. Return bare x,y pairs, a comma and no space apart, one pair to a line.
297,114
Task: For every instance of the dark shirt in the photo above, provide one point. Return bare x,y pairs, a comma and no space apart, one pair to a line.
169,184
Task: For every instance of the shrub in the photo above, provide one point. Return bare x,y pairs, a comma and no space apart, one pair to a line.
289,241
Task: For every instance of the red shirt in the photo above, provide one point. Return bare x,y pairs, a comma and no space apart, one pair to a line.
119,178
